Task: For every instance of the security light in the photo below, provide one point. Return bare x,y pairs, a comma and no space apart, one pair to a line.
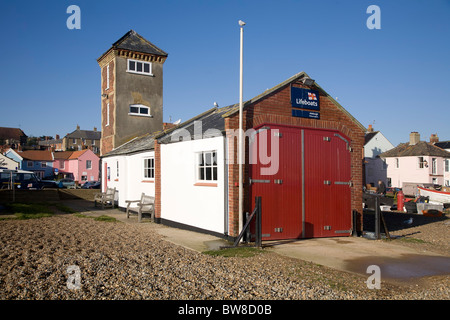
241,23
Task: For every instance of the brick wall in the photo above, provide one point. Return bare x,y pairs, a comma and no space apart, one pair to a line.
107,143
276,108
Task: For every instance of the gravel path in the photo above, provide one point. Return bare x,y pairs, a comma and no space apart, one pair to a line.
126,261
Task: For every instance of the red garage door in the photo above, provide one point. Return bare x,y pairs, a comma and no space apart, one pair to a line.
303,177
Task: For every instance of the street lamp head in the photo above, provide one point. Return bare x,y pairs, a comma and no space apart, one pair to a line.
241,23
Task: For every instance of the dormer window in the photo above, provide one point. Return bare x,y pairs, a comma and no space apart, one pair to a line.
140,67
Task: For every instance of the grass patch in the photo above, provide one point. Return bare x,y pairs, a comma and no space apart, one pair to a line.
100,218
240,252
23,211
26,216
412,240
64,208
106,219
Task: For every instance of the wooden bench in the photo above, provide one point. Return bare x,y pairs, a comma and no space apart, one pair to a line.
106,199
145,205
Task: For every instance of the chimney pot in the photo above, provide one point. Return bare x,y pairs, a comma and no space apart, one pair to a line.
434,138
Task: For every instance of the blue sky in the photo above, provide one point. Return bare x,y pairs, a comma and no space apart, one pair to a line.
396,78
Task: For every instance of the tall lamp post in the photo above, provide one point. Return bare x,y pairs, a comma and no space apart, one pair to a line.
241,142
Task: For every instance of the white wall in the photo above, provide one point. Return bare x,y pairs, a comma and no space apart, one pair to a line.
181,200
130,182
446,173
378,144
375,168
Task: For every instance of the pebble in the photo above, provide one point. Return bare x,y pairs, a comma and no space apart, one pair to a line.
123,261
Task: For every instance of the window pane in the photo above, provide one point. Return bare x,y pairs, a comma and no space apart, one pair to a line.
200,159
208,173
146,67
131,65
143,110
134,109
201,174
139,66
208,158
214,158
214,173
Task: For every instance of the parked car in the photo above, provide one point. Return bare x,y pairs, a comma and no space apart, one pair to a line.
66,183
22,179
91,185
49,184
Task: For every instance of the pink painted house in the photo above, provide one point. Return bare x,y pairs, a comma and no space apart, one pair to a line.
80,165
417,162
84,165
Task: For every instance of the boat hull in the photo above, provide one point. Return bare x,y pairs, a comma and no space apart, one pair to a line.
434,195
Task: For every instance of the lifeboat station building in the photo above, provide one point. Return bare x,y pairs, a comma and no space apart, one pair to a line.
303,153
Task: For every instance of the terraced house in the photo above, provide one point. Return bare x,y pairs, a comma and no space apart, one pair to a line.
82,139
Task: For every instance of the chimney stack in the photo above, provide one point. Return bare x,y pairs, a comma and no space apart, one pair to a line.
78,127
434,138
370,129
414,138
56,136
95,129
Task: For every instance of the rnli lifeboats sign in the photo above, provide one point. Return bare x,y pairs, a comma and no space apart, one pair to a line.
305,99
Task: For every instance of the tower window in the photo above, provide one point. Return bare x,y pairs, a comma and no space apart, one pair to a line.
141,67
139,110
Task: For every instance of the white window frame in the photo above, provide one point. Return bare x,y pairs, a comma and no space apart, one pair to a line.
202,166
107,114
447,165
30,164
148,168
61,164
422,163
90,164
107,77
117,168
397,163
140,107
43,164
433,165
130,70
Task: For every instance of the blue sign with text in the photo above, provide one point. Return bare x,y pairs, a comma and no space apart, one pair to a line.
305,98
305,114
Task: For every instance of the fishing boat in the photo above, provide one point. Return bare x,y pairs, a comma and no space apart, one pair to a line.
435,195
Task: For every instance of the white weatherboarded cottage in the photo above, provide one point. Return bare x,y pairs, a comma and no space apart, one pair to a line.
194,173
130,169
